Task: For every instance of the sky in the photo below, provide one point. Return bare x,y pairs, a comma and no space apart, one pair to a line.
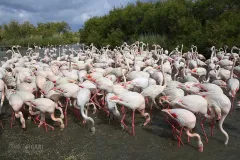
74,12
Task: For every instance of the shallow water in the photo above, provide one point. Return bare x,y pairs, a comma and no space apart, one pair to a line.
110,142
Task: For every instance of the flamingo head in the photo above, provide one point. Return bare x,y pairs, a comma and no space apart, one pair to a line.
200,147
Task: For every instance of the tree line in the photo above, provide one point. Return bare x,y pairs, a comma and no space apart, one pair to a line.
169,23
25,33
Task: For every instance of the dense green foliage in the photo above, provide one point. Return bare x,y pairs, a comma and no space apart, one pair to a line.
43,34
168,23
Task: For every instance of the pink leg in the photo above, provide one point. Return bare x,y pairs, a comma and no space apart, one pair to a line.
103,99
204,132
146,99
103,108
133,126
122,120
174,129
44,123
232,107
12,118
180,138
212,127
151,109
1,124
65,112
122,109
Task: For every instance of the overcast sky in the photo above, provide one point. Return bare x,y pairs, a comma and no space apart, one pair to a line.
75,12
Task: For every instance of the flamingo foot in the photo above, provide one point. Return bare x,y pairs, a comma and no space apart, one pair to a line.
200,149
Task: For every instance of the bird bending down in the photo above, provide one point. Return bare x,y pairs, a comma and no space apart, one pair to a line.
134,101
185,119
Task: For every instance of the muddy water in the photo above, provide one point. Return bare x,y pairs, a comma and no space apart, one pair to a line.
110,142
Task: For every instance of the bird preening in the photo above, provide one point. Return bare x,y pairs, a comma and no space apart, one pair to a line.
186,89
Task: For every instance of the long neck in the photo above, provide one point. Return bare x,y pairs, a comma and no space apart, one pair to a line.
18,78
200,144
221,128
85,116
231,74
164,78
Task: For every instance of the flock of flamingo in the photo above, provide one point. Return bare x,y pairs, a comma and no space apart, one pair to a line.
187,87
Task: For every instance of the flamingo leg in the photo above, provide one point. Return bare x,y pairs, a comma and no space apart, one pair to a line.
100,107
75,109
65,111
1,124
122,120
12,118
212,127
43,122
175,131
202,126
180,137
232,107
133,126
151,105
146,99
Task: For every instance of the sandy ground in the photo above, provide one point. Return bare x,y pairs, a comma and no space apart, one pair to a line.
110,142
